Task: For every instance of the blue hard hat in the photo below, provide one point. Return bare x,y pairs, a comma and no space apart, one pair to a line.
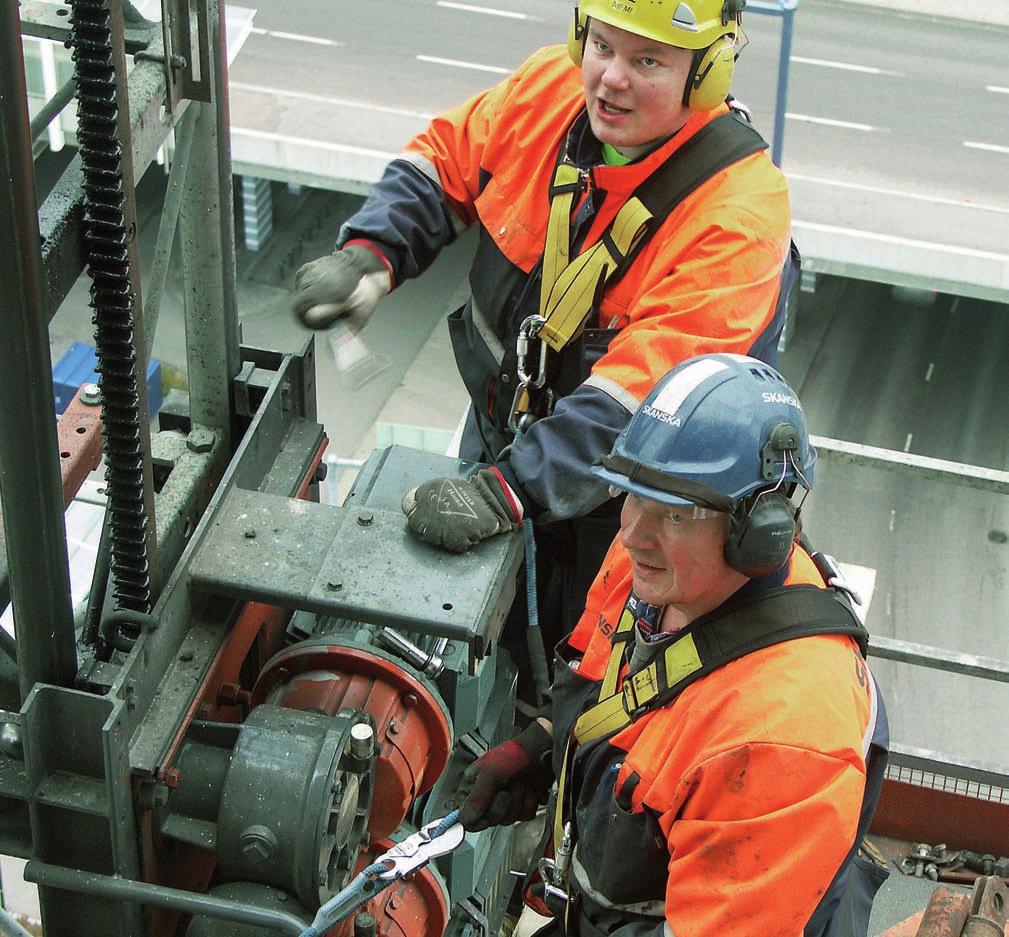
715,430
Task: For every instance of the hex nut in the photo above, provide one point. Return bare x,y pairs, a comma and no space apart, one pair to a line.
258,843
200,440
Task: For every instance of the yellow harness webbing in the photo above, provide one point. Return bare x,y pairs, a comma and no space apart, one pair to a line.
569,288
616,708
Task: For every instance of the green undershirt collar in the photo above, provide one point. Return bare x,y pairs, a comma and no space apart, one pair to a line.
613,157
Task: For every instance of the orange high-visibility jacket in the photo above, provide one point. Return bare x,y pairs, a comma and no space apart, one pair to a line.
706,281
735,808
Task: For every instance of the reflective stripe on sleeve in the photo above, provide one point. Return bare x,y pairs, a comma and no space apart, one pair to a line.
428,169
422,164
612,389
870,729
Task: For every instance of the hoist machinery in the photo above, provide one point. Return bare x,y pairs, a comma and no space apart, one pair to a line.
264,693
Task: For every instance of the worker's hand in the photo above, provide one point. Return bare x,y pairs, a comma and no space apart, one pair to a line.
348,282
507,783
456,513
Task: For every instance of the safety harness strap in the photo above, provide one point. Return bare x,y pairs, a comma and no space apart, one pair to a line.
563,191
711,642
570,290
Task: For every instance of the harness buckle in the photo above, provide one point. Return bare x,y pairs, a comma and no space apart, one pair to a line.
631,705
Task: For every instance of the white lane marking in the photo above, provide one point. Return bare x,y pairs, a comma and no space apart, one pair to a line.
828,122
893,519
326,99
881,190
296,37
907,442
845,66
456,63
894,239
316,144
889,605
928,373
991,147
996,89
490,11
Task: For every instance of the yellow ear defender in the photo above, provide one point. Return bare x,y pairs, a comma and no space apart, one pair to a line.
711,75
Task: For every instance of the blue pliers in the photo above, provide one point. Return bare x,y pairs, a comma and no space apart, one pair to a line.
436,838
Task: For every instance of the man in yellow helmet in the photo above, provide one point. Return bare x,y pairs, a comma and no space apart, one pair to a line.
628,219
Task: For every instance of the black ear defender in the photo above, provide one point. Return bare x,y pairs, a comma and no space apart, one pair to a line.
761,534
763,526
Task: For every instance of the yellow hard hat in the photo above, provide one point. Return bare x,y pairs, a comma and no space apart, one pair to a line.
689,24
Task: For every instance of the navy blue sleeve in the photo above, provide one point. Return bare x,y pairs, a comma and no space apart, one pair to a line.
407,217
550,466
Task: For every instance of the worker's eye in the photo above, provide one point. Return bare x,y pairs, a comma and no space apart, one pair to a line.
647,62
675,517
600,46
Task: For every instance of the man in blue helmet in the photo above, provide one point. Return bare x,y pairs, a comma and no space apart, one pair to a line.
716,736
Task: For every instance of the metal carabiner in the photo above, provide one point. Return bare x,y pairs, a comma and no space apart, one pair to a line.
520,417
529,330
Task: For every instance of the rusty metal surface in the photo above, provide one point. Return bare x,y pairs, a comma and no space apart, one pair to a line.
914,814
945,915
79,432
988,905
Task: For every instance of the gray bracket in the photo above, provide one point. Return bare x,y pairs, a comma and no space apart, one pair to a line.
359,562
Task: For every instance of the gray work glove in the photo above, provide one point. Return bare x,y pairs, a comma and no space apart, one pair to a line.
348,282
456,513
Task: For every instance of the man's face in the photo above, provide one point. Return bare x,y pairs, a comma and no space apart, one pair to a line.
633,88
678,559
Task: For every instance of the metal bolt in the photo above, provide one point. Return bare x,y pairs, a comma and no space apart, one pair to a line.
362,740
334,585
365,518
186,655
201,440
283,674
410,700
258,843
91,395
250,534
393,728
171,777
10,741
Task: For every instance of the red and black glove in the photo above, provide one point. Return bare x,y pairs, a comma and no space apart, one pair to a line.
457,513
509,782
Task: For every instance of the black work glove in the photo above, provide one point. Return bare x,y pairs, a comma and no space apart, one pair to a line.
509,782
348,282
456,513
